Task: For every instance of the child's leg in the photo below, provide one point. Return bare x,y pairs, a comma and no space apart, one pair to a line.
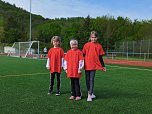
92,76
91,85
58,84
77,87
51,82
87,75
73,93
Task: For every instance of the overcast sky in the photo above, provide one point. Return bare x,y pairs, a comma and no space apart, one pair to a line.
133,9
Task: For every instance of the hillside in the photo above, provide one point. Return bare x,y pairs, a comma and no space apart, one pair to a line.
14,26
14,20
1,26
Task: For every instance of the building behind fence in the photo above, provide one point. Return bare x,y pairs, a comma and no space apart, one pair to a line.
141,49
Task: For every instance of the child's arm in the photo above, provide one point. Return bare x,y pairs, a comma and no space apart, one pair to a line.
48,64
81,65
65,66
102,62
62,64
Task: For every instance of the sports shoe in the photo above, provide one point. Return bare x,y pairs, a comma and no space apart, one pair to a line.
72,98
89,98
78,98
93,96
57,93
50,92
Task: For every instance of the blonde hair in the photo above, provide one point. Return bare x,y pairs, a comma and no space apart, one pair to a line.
56,39
95,33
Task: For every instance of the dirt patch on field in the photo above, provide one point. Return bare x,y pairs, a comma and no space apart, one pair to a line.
128,62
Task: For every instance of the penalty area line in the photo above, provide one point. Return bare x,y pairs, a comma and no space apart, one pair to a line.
15,75
131,68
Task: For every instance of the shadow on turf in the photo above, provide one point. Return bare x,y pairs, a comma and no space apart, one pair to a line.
107,94
62,92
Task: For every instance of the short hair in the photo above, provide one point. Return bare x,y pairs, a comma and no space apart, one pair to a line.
73,41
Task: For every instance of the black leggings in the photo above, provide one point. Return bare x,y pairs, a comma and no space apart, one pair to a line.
52,77
75,87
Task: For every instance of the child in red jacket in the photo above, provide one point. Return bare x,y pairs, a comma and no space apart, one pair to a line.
54,63
73,64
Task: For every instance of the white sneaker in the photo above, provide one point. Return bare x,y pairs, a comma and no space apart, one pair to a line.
93,96
89,98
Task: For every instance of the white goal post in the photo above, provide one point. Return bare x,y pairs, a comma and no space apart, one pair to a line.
25,49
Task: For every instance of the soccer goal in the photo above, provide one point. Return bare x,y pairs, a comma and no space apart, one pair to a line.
25,49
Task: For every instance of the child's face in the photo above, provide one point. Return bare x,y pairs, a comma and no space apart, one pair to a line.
74,46
56,43
93,38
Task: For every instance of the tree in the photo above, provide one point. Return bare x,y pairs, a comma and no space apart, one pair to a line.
48,30
84,32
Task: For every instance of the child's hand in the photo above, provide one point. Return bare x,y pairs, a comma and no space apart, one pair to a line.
66,71
79,71
104,69
48,68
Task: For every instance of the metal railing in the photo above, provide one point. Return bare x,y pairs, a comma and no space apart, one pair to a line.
129,56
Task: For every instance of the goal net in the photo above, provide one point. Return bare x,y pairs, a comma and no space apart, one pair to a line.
25,49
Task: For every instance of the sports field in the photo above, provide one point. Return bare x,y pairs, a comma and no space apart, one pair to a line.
121,90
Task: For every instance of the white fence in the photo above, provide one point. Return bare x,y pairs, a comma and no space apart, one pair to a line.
1,49
132,49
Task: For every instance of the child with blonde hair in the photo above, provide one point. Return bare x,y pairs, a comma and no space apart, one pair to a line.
54,63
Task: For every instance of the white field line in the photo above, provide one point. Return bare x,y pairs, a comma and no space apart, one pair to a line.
118,67
15,75
115,68
36,58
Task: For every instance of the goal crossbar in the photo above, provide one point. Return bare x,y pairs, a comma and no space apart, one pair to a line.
25,49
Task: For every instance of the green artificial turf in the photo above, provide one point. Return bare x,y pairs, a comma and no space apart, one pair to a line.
121,90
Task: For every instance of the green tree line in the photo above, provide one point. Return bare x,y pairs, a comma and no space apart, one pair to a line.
14,27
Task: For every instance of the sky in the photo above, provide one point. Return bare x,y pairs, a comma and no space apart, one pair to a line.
133,9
